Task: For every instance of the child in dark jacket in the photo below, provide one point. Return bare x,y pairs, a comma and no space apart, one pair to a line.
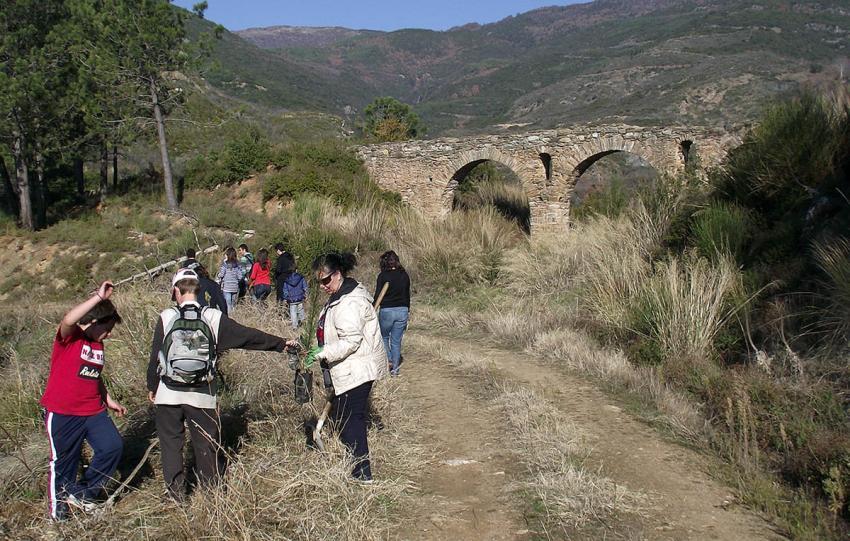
75,403
294,293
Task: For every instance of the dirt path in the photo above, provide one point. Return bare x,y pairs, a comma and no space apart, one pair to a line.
472,501
464,488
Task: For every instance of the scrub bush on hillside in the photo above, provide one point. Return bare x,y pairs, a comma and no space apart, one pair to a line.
327,169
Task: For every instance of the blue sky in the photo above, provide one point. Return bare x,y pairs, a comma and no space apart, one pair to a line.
365,14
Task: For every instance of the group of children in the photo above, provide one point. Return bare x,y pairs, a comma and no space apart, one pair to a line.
240,275
181,374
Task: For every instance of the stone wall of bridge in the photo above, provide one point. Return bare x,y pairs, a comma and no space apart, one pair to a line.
427,172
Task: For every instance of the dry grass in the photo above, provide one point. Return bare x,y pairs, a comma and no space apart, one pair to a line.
833,258
547,264
554,451
686,304
614,269
577,352
465,247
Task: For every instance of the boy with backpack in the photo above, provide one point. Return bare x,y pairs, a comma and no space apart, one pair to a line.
294,293
181,379
75,402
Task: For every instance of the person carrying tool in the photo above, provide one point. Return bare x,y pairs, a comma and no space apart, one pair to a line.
181,379
351,347
395,308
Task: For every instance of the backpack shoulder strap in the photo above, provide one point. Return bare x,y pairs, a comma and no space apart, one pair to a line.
169,316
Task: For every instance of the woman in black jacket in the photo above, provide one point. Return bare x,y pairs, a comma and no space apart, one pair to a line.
395,308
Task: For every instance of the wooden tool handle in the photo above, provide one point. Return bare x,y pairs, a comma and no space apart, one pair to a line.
380,298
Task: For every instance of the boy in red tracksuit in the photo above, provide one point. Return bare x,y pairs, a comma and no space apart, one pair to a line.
75,403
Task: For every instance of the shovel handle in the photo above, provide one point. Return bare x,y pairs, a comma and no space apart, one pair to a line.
323,417
380,298
317,432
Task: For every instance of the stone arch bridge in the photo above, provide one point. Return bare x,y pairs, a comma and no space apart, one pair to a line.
548,163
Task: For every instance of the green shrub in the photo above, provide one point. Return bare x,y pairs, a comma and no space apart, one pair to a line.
788,158
240,157
611,201
721,229
327,169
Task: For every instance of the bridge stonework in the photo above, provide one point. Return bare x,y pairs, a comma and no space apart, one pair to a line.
426,172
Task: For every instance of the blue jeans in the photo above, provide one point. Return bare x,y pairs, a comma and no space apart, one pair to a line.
393,323
296,313
230,297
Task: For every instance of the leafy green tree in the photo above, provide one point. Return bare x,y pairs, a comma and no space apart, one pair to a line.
388,119
138,52
35,102
199,8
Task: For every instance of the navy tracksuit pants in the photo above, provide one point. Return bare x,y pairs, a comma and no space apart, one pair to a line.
66,434
350,412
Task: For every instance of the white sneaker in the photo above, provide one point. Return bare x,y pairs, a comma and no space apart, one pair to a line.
82,505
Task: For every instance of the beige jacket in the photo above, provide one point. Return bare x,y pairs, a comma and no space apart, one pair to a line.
353,344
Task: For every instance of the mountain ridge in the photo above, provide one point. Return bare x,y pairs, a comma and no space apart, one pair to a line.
707,62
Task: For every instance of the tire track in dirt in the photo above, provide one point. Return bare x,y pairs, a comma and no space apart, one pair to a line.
464,489
686,502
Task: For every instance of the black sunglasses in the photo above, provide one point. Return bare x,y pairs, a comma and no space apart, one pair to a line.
327,279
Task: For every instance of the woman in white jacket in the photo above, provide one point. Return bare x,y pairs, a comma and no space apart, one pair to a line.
350,343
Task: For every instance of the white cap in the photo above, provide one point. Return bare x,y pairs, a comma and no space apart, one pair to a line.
183,274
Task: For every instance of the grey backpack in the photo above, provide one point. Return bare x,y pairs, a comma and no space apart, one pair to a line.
188,353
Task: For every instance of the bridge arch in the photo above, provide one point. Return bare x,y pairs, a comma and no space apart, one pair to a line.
587,153
462,164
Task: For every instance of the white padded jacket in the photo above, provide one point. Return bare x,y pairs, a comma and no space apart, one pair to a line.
353,344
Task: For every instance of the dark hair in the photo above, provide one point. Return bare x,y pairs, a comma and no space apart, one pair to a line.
230,253
335,261
244,246
263,259
103,312
389,261
202,271
279,247
190,253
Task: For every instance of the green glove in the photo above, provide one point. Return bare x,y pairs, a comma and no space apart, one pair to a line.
311,356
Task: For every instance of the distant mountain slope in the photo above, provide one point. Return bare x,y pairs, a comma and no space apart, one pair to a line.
244,71
639,61
283,37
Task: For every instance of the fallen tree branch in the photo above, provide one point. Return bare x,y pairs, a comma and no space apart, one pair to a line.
150,273
111,500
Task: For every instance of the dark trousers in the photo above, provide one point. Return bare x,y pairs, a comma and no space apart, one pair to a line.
350,412
261,291
205,432
66,434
